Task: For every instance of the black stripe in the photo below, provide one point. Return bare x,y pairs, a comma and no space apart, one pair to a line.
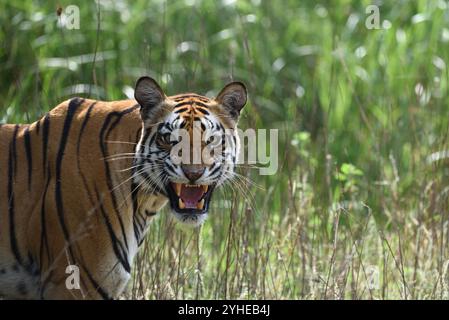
214,171
134,192
45,131
143,218
117,246
83,125
31,268
185,103
150,213
145,137
103,137
44,239
140,221
136,232
38,126
153,137
12,159
78,146
211,124
203,111
139,229
45,283
192,95
140,242
181,110
167,126
171,168
85,183
14,147
73,105
97,287
201,104
29,154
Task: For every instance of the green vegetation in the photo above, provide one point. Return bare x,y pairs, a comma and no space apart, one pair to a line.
362,186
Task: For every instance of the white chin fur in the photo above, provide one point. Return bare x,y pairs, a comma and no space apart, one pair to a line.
191,220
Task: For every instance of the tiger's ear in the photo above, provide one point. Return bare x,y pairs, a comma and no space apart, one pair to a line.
233,98
148,94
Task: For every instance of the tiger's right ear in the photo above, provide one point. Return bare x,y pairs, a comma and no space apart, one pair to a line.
148,94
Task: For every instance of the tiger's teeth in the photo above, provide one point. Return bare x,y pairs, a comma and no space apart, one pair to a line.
177,188
200,204
181,204
205,188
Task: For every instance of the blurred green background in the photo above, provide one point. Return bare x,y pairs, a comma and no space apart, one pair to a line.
359,205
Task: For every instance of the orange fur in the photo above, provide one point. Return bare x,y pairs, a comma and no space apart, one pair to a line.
48,237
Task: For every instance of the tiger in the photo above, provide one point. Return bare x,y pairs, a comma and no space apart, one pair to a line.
80,187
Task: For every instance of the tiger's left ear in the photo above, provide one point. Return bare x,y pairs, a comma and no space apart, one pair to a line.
149,95
233,98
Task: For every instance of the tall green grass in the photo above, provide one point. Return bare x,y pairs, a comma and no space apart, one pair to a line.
363,118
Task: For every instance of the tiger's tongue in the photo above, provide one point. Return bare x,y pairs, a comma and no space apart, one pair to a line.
191,196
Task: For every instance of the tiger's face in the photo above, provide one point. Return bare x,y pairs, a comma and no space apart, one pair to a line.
189,145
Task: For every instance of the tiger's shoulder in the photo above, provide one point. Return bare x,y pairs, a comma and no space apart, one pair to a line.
97,108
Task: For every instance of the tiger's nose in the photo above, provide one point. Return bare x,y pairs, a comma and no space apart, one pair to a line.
193,171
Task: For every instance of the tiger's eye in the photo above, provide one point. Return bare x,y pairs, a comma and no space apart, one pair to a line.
213,141
166,139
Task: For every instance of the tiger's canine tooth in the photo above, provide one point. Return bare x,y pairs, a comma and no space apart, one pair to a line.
181,204
200,205
205,187
178,188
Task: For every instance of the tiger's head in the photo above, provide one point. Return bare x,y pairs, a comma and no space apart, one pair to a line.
189,145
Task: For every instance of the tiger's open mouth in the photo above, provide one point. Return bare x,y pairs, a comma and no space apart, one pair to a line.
190,198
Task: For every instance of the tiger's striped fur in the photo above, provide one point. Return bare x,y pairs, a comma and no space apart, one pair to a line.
70,193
